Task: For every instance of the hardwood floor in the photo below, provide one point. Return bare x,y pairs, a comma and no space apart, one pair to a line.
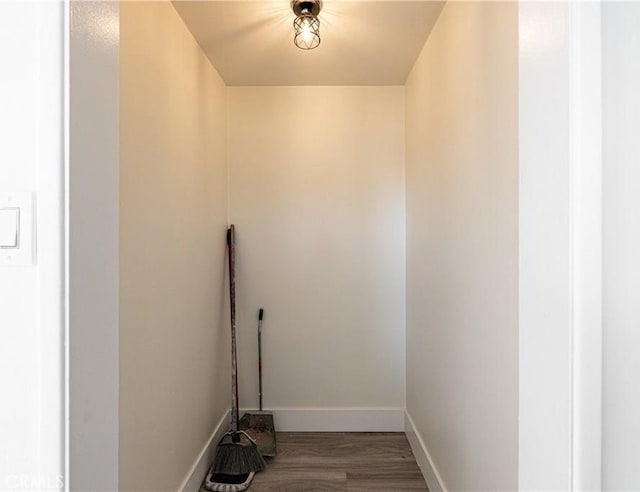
345,462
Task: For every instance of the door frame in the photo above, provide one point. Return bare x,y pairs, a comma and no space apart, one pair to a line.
560,212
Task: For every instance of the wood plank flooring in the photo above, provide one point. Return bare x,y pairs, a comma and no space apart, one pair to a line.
345,462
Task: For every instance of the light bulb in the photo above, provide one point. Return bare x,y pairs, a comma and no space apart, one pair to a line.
307,32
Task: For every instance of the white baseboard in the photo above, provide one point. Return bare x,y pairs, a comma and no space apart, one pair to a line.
200,467
367,419
421,453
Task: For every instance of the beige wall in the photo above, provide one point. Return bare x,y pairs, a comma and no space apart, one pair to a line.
462,245
173,211
317,195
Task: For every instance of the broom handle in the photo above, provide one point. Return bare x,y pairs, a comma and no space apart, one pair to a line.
235,417
260,315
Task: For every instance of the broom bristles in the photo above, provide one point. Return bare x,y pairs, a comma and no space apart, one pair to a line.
237,458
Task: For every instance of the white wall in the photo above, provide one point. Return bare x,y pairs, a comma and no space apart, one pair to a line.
174,329
32,297
462,246
93,246
621,145
317,196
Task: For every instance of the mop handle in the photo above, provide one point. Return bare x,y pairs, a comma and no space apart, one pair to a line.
260,315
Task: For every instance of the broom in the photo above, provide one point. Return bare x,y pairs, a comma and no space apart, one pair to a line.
237,457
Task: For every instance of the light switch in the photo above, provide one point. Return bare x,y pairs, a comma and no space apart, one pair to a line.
9,228
18,245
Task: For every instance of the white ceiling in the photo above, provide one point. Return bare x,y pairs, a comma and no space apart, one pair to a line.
363,42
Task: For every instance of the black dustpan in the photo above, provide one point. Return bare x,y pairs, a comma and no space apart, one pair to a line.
259,425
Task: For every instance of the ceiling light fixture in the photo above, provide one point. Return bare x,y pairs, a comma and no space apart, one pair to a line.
306,25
